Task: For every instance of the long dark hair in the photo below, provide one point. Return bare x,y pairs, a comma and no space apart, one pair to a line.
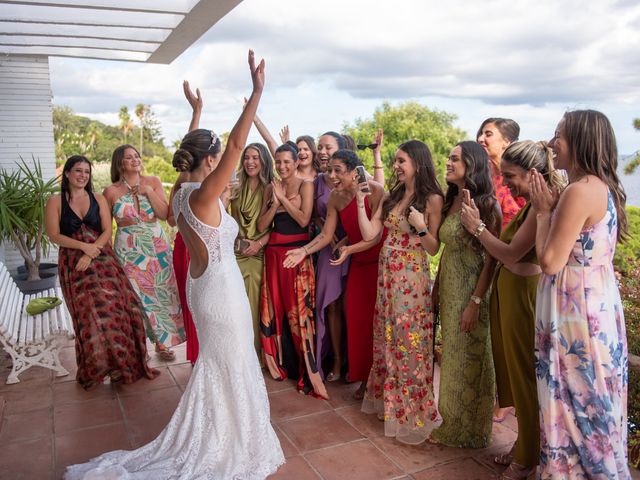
69,164
477,179
593,149
426,183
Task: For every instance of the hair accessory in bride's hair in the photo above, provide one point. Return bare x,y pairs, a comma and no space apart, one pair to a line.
214,140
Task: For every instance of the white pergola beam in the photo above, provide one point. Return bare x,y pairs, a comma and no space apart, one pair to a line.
155,35
203,16
172,7
70,42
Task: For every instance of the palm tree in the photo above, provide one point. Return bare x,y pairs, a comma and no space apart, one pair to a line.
142,112
125,122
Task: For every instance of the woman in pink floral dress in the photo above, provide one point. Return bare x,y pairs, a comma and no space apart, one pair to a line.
400,384
581,348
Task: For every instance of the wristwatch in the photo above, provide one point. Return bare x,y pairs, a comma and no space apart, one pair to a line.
422,233
475,299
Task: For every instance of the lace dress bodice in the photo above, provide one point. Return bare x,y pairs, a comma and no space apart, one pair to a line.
218,240
221,428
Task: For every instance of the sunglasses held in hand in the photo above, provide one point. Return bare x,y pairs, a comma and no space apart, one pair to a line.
372,146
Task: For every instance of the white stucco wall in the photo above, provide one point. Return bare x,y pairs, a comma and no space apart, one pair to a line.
26,125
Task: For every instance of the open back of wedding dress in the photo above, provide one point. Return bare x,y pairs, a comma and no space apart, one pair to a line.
220,429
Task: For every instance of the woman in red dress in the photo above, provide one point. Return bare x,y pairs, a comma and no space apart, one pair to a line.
360,291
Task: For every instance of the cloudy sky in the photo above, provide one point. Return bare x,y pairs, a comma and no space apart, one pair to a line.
330,62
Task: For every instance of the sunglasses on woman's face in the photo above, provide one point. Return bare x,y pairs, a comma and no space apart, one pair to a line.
372,146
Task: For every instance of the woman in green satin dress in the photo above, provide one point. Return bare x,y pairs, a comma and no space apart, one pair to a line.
513,300
467,379
245,204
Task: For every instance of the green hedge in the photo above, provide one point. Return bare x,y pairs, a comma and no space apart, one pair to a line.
629,251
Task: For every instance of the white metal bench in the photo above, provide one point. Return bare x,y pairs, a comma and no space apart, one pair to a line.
31,340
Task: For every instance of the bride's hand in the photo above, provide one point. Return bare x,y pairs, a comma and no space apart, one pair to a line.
257,73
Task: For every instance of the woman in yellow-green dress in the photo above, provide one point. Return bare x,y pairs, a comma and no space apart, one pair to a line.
246,201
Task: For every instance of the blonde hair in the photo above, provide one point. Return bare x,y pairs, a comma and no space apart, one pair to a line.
528,154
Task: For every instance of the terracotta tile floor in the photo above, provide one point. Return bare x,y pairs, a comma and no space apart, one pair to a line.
47,423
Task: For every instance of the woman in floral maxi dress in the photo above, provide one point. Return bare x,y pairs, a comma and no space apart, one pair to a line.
400,384
137,203
581,348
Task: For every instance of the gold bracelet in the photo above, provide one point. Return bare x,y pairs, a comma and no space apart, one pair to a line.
479,229
304,247
376,167
260,243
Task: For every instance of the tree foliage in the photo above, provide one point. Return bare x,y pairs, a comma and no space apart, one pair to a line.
77,135
407,121
631,167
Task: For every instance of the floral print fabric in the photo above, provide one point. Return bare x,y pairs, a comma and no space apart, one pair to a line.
107,316
400,383
508,205
145,254
581,362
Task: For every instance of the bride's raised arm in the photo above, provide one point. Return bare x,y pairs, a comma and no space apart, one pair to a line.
217,181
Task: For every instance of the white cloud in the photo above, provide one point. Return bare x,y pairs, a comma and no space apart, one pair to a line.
330,62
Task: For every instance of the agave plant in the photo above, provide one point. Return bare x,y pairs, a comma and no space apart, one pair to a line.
23,196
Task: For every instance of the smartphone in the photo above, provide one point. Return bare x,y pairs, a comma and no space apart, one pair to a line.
362,178
240,245
336,254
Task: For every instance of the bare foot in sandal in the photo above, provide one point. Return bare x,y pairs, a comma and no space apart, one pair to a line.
516,471
164,353
359,393
505,458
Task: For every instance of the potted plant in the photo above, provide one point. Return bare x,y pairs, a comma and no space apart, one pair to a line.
23,196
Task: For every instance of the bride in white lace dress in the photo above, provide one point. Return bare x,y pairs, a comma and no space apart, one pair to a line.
220,429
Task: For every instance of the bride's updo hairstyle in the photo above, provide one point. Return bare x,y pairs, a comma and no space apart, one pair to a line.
195,146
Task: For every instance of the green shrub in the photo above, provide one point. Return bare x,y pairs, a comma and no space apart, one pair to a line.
160,167
628,252
100,176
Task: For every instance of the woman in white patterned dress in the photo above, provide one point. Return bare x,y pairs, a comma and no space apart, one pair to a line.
221,428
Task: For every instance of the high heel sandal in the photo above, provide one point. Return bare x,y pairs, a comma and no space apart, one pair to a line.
502,417
505,459
166,355
516,471
332,377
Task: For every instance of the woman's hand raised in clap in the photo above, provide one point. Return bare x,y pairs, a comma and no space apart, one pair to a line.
257,73
543,200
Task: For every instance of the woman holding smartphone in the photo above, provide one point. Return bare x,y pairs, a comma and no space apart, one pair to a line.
400,385
345,173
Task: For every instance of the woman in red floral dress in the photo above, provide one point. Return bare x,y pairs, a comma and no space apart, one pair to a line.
106,312
400,385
